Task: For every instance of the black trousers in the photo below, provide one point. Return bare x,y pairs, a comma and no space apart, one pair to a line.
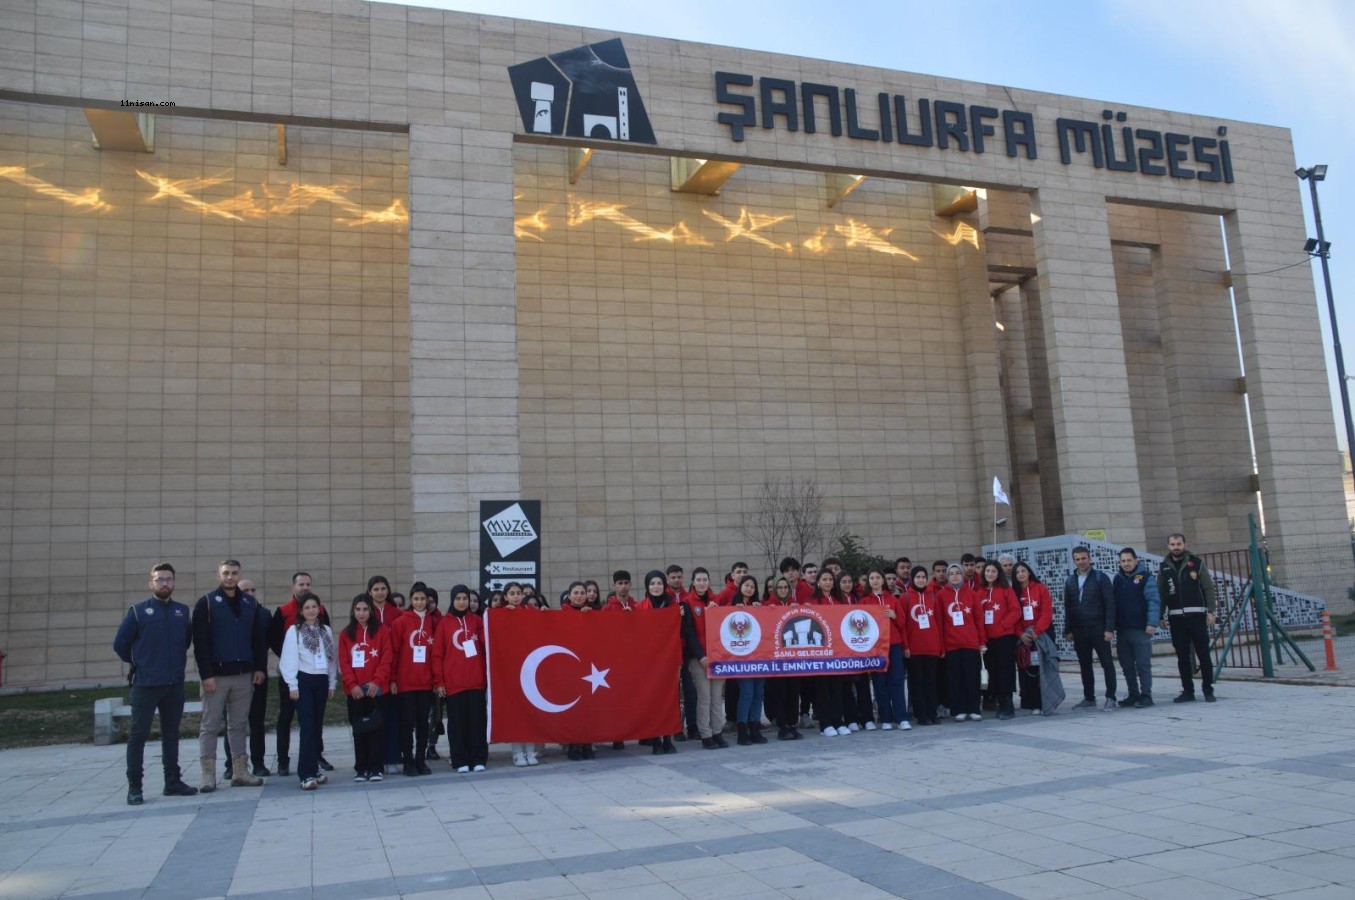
688,697
258,704
782,700
857,705
962,669
368,749
415,707
1190,632
1029,679
286,712
146,702
828,700
466,728
1084,643
922,682
1001,663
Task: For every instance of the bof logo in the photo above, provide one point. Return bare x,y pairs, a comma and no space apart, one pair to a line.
859,631
740,634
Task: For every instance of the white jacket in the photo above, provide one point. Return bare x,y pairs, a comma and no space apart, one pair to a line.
294,660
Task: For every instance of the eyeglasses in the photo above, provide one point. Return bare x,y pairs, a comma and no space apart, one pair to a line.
164,581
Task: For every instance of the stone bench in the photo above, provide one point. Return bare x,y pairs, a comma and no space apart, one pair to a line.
108,710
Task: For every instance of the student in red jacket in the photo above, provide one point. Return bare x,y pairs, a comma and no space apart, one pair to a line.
709,711
965,638
891,696
412,674
576,601
1001,620
385,610
858,711
515,601
1037,617
827,689
365,666
459,676
925,643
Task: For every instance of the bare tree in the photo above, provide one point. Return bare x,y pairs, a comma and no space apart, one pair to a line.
787,518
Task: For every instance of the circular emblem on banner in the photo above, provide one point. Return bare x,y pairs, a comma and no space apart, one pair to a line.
740,634
859,631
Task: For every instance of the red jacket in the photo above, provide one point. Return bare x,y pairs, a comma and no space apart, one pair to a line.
1035,598
966,632
889,601
803,593
375,647
999,605
408,632
387,614
614,603
566,607
711,598
454,670
919,609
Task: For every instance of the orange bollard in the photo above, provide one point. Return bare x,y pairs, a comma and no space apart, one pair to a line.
1327,640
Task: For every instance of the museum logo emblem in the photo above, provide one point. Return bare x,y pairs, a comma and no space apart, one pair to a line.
587,92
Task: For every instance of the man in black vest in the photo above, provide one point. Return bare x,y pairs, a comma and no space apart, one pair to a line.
1188,599
232,656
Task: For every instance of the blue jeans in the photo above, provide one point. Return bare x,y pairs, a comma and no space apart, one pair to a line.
891,692
751,691
1135,649
312,693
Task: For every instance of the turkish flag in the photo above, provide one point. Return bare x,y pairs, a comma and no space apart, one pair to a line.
577,678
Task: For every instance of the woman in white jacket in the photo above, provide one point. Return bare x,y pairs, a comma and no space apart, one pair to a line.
310,666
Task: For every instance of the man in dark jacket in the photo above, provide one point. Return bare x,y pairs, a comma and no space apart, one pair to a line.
232,657
154,638
1089,622
1136,614
1188,601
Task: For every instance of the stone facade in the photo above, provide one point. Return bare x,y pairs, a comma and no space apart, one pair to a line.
636,358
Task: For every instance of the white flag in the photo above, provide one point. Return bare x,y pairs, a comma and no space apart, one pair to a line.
999,495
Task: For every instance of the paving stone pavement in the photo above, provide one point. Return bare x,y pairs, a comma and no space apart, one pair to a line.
1251,796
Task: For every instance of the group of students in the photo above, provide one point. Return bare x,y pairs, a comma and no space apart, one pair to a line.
401,671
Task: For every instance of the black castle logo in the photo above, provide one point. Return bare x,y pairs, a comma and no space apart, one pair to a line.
587,92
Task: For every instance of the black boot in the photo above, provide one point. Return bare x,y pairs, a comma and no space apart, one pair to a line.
744,740
134,795
656,748
719,740
668,744
755,733
783,734
574,753
409,768
709,744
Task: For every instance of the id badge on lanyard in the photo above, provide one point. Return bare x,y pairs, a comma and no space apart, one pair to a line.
359,658
420,653
957,618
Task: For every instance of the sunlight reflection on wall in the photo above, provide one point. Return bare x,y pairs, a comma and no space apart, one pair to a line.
88,200
272,202
757,228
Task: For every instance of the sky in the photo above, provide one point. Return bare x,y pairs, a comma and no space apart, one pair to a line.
1277,63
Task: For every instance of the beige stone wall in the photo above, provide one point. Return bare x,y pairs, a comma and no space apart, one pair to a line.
207,365
676,349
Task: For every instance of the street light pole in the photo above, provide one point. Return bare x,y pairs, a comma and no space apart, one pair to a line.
1313,175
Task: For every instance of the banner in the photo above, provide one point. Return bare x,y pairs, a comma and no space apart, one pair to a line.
576,678
510,544
768,641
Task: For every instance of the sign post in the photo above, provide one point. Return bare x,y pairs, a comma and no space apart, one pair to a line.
510,544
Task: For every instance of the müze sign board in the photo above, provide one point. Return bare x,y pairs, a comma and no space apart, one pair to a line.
510,543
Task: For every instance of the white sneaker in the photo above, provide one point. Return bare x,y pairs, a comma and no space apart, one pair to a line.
975,717
478,769
830,731
884,726
905,725
519,759
853,727
462,770
843,731
1037,712
532,760
870,726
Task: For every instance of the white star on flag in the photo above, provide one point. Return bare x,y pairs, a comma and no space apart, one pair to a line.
598,679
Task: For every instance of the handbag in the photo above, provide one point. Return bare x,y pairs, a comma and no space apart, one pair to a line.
369,722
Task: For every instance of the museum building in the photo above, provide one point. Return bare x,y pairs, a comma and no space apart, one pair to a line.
304,283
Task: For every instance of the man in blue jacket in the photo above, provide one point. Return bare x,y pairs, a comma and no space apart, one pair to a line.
1089,622
1136,613
154,638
